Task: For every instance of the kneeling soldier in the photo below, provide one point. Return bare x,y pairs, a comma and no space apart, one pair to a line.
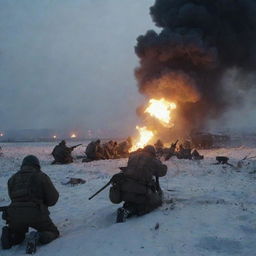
31,192
138,189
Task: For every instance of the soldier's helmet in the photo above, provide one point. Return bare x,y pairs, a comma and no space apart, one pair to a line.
150,149
31,160
63,142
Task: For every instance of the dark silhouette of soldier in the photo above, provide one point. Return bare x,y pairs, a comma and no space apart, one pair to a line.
94,151
62,154
31,192
124,147
139,190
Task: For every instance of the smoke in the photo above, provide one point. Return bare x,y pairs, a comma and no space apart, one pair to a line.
198,43
68,65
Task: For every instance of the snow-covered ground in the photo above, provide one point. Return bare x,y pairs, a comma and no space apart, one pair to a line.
212,211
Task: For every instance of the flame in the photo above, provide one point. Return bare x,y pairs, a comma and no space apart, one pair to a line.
145,136
1,134
54,136
161,109
73,135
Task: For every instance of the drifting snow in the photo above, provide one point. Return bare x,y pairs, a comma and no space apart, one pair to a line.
208,210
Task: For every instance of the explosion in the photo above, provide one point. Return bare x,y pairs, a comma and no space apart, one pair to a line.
73,136
161,109
145,136
196,44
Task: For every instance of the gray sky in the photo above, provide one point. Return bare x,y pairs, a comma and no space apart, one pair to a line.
70,63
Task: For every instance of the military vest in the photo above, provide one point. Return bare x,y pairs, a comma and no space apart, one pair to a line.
22,186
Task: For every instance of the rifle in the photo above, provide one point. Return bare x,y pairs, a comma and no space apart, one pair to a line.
100,189
72,148
158,188
171,151
115,179
174,144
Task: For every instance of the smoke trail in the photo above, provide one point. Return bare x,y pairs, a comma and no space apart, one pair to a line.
198,43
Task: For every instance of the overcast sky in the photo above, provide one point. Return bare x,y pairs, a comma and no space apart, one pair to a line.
70,63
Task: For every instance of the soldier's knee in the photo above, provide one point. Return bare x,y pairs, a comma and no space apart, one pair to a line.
46,237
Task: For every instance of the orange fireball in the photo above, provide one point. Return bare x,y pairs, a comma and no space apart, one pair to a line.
161,110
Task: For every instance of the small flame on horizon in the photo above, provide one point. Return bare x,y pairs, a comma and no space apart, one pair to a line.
54,136
161,109
1,134
145,136
73,136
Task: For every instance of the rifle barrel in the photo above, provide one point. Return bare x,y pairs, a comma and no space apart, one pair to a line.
73,147
100,190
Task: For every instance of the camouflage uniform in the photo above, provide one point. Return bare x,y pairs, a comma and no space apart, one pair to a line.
31,192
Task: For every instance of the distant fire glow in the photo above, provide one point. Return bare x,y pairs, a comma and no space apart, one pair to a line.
161,109
1,134
145,136
73,136
54,136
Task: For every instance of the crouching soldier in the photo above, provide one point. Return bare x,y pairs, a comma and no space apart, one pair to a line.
31,192
62,154
138,189
94,151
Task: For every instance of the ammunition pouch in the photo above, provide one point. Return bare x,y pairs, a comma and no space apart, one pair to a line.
115,193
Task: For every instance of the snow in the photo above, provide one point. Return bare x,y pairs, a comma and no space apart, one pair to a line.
208,210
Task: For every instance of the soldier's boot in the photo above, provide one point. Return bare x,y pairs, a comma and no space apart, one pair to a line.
6,238
122,215
32,242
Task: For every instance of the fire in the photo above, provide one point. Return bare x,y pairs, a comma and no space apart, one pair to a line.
54,136
145,136
161,109
73,136
1,134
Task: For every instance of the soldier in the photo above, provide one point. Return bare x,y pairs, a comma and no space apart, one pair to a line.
31,192
184,153
94,151
124,147
109,149
196,156
140,193
62,154
114,150
170,152
159,146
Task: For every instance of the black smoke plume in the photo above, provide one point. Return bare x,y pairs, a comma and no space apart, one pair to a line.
199,41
